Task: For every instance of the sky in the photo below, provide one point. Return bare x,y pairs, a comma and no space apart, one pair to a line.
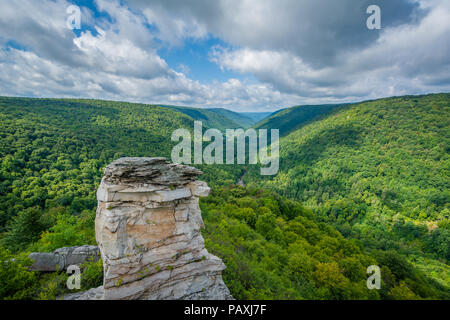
243,55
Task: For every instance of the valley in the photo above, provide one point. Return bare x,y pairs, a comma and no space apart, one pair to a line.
359,184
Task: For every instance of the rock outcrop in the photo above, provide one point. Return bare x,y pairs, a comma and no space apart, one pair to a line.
61,258
148,230
92,294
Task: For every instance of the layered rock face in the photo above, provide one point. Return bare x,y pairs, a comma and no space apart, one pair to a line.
148,230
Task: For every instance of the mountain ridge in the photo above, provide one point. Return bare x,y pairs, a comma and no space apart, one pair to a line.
358,196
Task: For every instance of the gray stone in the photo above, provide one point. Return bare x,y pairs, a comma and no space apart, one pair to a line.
61,258
91,294
43,261
148,229
156,171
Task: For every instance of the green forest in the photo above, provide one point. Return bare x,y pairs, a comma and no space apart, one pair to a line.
378,171
359,184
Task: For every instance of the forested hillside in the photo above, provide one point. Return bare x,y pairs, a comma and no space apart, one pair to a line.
256,116
243,120
379,171
373,179
275,248
52,157
53,151
210,117
220,118
290,119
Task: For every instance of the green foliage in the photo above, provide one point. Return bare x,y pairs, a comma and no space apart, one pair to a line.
53,152
403,292
433,268
372,177
288,254
16,282
405,278
243,120
92,274
68,231
438,241
220,119
280,256
378,171
25,228
290,119
52,286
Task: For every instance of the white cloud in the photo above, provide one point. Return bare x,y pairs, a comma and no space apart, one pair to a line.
411,58
299,51
119,62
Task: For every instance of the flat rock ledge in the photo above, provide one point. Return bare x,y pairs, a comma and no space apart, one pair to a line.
147,227
61,258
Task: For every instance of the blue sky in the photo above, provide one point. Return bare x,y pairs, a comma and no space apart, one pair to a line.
195,54
192,56
244,55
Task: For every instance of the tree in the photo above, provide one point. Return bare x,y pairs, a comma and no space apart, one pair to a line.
402,292
26,228
266,223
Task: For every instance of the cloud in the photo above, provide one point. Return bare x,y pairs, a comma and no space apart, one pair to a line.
315,30
405,58
119,61
288,51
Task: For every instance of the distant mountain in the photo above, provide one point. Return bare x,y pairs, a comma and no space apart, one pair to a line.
221,118
243,120
290,119
256,116
211,118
